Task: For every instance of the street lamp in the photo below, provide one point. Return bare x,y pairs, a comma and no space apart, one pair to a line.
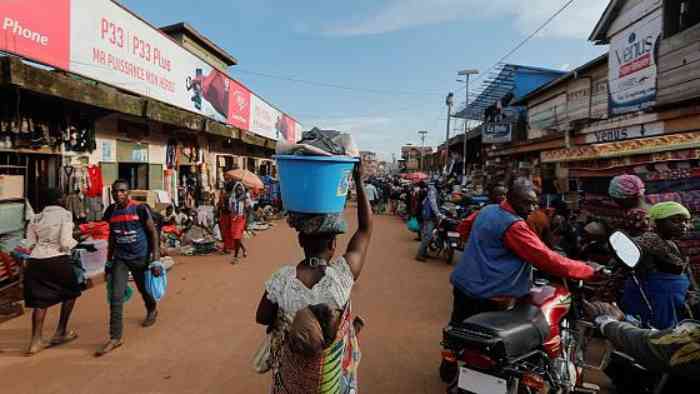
449,101
422,149
466,73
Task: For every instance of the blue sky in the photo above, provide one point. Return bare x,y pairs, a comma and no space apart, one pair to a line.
399,56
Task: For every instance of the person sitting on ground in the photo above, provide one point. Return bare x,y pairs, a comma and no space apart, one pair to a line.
496,266
49,277
320,278
664,271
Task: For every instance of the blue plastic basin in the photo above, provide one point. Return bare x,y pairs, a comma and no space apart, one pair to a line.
314,184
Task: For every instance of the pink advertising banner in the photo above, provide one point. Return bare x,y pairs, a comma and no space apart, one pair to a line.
37,29
101,40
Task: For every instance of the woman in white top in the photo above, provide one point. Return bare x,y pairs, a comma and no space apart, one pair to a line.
320,279
49,277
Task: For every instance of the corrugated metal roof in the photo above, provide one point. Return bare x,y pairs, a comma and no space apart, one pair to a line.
498,84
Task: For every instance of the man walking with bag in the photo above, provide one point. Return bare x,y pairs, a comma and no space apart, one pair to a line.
133,245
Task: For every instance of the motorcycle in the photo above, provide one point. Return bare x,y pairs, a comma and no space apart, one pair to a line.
445,240
627,375
535,347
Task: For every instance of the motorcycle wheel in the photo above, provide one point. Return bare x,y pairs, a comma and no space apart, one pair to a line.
448,371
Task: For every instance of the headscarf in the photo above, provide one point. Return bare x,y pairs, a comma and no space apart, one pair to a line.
626,186
312,223
664,210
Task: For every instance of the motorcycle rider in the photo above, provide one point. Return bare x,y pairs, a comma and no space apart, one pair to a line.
497,193
495,268
675,351
430,212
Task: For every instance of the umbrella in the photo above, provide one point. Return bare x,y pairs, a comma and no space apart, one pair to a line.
415,176
247,178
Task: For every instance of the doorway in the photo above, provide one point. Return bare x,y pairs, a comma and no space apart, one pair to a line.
136,174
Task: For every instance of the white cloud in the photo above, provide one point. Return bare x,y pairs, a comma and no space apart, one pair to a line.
394,15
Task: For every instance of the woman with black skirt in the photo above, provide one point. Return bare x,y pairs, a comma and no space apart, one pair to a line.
49,277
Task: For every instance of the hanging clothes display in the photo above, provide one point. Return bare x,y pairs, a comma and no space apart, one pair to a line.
94,174
93,193
171,154
81,138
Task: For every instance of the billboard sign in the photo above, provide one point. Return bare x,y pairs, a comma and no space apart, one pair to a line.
101,40
496,132
269,122
632,61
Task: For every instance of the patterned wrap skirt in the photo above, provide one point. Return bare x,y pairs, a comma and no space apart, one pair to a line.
333,371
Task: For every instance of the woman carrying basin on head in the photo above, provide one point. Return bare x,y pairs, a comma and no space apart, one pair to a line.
321,278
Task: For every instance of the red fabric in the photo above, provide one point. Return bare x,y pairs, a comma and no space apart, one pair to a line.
237,227
524,242
96,230
465,227
225,228
521,240
171,229
95,181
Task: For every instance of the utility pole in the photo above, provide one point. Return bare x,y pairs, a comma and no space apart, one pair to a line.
466,74
422,149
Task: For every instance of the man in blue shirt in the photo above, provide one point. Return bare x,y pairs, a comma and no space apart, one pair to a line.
133,244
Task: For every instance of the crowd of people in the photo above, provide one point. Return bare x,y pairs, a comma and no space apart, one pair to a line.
306,307
510,233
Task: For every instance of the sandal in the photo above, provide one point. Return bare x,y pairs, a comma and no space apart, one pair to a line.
70,337
35,348
108,347
235,261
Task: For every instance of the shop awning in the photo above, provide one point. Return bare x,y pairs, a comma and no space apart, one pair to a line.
623,148
507,79
15,72
547,143
501,83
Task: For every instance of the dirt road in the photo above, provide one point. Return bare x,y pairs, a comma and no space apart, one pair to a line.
206,333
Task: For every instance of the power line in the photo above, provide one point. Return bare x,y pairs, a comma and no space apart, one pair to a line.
336,86
472,92
527,39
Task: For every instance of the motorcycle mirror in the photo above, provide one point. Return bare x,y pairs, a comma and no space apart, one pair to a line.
625,249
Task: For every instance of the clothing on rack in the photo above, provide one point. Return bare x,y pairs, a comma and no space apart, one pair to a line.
76,204
94,208
95,183
171,154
